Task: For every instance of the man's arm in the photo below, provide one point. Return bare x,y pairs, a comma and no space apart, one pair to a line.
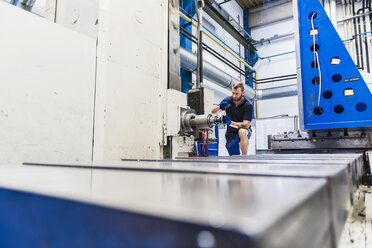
247,118
215,110
245,124
222,106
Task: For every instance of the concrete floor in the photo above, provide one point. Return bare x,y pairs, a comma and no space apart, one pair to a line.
357,232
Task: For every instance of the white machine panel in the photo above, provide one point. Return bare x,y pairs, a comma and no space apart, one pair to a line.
272,126
131,79
175,99
79,15
47,76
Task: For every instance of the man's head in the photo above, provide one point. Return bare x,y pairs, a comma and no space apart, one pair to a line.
238,91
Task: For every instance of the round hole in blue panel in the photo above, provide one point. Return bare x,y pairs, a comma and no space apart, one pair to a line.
336,77
327,94
316,47
313,15
361,107
316,81
318,110
339,109
315,64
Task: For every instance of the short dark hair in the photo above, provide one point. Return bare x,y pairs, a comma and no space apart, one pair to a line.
238,85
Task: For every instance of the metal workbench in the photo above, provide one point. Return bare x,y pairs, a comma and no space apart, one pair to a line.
338,177
71,206
357,158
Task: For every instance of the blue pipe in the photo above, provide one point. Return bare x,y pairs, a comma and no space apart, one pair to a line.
277,55
358,35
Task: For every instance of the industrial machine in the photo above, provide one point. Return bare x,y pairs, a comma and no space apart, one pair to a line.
134,186
196,116
334,100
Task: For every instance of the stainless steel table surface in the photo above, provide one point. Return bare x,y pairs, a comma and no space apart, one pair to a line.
357,159
222,162
339,181
264,211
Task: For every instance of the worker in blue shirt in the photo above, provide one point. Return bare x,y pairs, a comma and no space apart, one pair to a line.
238,120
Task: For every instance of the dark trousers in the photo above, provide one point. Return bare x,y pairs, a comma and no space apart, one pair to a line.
233,143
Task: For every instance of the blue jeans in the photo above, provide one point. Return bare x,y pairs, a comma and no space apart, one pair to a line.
233,143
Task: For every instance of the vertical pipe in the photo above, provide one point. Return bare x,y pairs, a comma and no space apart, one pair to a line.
345,23
326,6
370,15
355,32
365,36
349,29
199,72
333,12
345,8
359,37
240,63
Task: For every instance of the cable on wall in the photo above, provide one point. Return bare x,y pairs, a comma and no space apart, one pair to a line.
316,57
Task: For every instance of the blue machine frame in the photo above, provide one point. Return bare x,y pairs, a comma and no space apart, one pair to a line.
336,96
186,76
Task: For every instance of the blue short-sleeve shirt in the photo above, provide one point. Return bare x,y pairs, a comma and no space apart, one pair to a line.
240,113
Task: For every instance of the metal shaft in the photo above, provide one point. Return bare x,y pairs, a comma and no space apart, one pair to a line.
191,122
204,121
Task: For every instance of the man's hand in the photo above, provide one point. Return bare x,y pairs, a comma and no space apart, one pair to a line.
224,105
226,120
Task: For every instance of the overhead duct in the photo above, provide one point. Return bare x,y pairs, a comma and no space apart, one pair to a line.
221,78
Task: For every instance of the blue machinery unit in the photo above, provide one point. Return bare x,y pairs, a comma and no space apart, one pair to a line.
334,94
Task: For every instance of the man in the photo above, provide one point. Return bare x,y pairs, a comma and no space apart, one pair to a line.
239,116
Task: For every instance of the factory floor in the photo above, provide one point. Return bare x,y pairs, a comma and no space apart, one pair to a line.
357,232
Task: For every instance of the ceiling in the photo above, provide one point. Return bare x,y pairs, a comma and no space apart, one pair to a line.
246,4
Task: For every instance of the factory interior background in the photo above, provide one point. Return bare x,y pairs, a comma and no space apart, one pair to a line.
107,137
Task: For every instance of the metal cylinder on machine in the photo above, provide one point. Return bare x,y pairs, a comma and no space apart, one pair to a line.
190,121
205,121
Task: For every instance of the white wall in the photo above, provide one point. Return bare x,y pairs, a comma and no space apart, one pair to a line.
131,79
276,66
46,90
79,15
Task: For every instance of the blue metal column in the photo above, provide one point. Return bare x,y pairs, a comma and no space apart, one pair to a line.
334,94
250,57
186,76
